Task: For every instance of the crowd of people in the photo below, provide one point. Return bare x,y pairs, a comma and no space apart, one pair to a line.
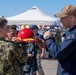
21,51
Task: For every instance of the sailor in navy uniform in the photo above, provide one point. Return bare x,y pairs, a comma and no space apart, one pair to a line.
65,51
40,53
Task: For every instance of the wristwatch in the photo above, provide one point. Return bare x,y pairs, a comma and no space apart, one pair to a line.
47,37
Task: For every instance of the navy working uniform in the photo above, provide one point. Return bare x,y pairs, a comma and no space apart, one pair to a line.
37,35
11,55
65,52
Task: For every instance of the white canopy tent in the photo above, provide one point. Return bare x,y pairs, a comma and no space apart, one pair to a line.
32,16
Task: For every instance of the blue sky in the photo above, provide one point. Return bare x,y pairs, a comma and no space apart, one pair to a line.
10,8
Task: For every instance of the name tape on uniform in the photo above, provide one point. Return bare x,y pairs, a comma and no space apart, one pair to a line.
70,36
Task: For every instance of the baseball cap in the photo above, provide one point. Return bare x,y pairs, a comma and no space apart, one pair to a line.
66,11
33,27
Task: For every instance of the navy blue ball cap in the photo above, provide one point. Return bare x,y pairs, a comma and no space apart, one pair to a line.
33,27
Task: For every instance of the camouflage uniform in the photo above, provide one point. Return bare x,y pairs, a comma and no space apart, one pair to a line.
10,57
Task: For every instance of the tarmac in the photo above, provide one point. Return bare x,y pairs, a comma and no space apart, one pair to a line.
49,66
